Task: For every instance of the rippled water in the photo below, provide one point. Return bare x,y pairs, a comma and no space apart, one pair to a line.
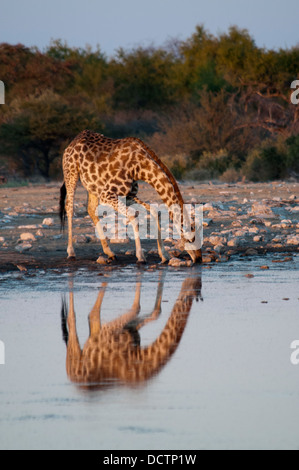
228,383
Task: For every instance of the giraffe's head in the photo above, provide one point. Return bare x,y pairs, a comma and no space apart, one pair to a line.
191,233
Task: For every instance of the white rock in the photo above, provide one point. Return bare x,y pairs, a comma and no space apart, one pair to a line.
254,230
2,239
48,222
286,224
28,227
261,210
40,233
216,240
176,262
258,238
27,236
293,240
23,247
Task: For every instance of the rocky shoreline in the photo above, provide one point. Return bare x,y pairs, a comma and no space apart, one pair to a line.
239,219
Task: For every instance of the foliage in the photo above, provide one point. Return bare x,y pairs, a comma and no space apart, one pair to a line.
37,128
189,100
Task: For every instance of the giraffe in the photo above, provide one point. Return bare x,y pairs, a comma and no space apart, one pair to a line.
110,169
113,354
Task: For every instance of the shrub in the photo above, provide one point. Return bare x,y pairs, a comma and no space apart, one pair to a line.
231,175
266,164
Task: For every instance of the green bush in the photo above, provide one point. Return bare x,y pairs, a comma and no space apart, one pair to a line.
273,161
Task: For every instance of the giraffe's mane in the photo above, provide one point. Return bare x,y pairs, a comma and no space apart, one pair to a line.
163,167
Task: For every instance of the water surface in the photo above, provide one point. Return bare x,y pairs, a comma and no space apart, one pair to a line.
229,383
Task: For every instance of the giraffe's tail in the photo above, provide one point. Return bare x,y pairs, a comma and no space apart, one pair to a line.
62,211
64,314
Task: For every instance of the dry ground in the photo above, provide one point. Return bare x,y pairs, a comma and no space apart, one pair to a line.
240,219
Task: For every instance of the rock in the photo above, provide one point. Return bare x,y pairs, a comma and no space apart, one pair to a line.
293,197
176,262
253,230
207,222
249,276
258,238
293,240
207,259
237,223
261,210
264,267
23,247
220,248
2,239
251,252
286,224
101,260
216,240
48,222
234,242
40,233
123,241
77,238
27,236
28,227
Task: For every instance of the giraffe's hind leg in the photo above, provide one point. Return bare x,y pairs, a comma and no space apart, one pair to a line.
71,181
92,211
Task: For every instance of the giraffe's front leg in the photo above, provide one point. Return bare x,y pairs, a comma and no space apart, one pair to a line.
92,211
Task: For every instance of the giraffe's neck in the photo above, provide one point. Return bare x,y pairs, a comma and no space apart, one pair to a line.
155,356
152,171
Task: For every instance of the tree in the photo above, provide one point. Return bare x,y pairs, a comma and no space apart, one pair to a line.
38,128
143,79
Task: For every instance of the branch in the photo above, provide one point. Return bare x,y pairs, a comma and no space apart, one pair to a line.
271,127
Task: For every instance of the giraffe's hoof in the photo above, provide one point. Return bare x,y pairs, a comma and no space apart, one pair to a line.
112,258
164,261
71,258
141,262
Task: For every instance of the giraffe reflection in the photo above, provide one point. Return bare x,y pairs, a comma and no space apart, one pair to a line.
113,353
